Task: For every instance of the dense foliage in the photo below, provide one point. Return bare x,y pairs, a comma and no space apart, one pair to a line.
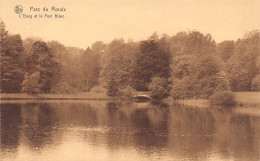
185,65
159,88
12,61
244,65
152,60
223,98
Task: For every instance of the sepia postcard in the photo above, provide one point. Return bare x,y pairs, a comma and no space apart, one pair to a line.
130,80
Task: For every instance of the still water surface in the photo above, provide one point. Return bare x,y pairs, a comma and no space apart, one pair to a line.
99,130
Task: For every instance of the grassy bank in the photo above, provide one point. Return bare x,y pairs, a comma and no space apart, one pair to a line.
241,98
191,102
78,96
247,98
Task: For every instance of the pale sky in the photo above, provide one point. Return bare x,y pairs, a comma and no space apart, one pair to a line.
87,21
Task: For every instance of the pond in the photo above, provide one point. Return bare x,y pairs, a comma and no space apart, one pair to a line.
101,130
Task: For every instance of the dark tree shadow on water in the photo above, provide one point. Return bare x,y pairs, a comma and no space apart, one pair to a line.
10,126
38,121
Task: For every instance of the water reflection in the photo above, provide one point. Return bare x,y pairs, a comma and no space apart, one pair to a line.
38,120
97,130
10,127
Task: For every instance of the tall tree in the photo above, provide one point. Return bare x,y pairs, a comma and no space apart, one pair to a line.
152,60
12,62
67,71
243,65
90,68
117,63
225,49
42,60
192,43
194,64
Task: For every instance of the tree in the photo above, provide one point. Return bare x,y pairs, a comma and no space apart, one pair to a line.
98,46
192,43
159,88
182,88
113,89
225,50
117,63
12,62
194,77
127,92
206,68
90,68
183,66
152,60
28,43
73,68
256,83
243,65
194,63
68,73
223,98
3,34
42,60
220,82
31,83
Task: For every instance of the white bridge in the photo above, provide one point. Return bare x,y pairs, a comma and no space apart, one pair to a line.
143,95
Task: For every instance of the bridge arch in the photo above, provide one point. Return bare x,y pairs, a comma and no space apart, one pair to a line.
143,96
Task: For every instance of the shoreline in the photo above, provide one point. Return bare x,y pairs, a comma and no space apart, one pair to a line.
204,103
241,98
78,96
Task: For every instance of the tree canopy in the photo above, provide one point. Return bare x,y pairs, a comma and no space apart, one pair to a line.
185,65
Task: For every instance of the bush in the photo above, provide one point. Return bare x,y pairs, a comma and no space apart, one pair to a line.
63,88
256,83
159,88
98,89
31,83
112,90
128,92
85,89
181,89
223,98
220,82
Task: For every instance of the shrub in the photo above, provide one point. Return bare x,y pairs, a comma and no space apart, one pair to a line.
112,90
98,89
159,88
31,83
181,89
62,88
128,92
221,82
85,89
256,83
223,98
217,82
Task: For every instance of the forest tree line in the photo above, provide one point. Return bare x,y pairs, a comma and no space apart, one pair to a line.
185,65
